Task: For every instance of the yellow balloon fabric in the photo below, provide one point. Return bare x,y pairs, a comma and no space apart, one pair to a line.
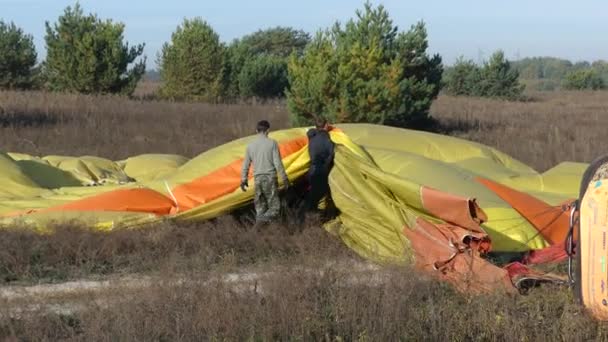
376,183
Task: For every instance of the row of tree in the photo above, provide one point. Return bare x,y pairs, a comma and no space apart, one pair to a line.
554,73
364,71
500,78
196,65
87,55
84,54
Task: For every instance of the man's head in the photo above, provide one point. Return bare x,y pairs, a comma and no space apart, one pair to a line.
263,127
321,123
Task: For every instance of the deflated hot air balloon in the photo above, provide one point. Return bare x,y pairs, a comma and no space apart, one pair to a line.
403,196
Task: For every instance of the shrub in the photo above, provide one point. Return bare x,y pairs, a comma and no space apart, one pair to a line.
584,79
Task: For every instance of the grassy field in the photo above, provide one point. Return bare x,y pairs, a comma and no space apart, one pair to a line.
291,284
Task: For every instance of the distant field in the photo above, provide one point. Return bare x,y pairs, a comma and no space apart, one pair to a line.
289,304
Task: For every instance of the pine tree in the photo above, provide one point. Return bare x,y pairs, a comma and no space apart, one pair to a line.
367,71
192,64
257,63
498,79
87,55
463,78
17,58
263,76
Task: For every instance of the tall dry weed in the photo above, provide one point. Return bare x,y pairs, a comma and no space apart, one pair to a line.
116,127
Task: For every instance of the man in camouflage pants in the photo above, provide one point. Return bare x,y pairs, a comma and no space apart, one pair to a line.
263,152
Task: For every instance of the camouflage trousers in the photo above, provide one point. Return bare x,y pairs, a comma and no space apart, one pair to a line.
266,201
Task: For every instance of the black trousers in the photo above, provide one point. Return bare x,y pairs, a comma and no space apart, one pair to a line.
319,187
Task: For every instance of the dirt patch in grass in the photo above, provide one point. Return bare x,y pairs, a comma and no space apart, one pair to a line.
296,305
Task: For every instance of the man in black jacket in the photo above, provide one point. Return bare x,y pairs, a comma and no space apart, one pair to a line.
321,150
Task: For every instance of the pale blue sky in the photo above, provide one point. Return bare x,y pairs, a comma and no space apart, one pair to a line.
575,30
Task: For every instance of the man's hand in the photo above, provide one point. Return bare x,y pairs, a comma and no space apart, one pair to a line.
244,185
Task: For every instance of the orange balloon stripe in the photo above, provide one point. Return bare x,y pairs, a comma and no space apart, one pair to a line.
551,222
134,200
189,195
223,180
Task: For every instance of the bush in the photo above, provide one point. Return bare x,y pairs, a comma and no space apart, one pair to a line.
584,79
191,66
87,55
17,58
365,72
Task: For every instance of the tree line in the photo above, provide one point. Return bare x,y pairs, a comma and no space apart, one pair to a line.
366,70
555,73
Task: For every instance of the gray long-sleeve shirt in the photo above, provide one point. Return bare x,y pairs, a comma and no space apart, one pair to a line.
263,152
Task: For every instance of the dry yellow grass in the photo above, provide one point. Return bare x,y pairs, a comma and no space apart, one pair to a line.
309,306
115,127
